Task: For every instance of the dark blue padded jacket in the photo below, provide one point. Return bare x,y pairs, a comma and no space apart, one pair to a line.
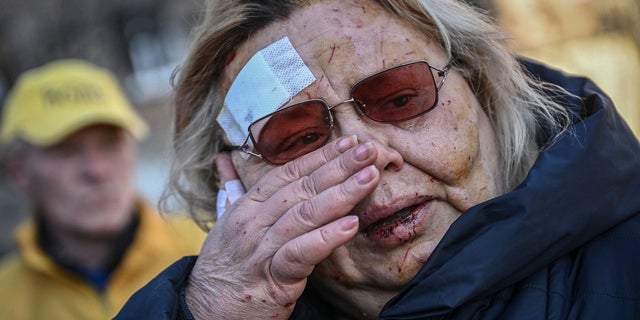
565,244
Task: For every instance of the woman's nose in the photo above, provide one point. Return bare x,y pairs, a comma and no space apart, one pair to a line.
389,159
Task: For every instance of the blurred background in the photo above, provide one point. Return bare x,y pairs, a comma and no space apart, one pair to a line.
142,42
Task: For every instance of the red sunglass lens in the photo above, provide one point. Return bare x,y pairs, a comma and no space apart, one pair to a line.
292,132
397,94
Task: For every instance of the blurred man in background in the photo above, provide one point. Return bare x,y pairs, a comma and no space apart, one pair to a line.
69,137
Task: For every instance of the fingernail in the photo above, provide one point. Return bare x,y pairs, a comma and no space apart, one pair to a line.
345,143
365,175
363,151
348,223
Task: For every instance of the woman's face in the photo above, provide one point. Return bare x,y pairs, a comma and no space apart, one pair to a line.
433,168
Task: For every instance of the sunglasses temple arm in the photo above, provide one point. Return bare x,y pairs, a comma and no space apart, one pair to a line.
442,73
245,148
228,148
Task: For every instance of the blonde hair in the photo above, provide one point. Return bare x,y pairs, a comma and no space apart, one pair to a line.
516,104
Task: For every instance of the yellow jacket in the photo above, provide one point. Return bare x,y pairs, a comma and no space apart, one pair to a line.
32,286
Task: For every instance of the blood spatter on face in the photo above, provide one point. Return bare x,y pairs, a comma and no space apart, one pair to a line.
388,229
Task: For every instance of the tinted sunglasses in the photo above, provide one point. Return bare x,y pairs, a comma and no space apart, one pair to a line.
397,94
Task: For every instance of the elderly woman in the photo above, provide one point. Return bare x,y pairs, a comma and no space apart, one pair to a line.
399,162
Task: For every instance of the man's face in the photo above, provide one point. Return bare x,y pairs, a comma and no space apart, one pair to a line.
83,184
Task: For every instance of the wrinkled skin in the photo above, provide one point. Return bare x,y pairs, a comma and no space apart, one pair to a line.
300,218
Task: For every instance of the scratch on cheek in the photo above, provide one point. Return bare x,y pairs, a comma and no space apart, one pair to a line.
409,53
404,260
384,61
333,50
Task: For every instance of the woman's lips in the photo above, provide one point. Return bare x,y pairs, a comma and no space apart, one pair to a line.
403,226
402,215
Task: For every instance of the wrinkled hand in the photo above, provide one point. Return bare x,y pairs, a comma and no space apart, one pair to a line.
256,259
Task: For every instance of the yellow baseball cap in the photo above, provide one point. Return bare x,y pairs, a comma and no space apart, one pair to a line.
53,101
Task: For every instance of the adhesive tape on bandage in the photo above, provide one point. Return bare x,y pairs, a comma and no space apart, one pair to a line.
273,76
233,190
221,202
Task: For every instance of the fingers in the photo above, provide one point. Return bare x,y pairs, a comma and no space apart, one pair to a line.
297,258
261,209
282,176
332,172
313,229
335,171
327,194
291,219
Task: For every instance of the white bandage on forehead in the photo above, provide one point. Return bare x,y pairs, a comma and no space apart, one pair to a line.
272,77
